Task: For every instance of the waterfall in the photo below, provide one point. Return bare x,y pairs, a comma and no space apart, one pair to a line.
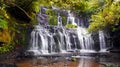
46,39
38,37
61,40
74,39
103,46
59,20
70,18
86,41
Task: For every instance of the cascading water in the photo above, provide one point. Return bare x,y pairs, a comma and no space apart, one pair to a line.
59,20
39,36
70,18
46,39
67,40
86,41
102,41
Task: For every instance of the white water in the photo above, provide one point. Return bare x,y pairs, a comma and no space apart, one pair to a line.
38,37
71,19
58,39
102,42
86,41
59,20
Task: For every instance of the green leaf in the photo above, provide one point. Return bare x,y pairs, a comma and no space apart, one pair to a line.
3,24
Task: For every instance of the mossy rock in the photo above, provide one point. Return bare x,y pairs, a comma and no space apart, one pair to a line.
74,59
70,26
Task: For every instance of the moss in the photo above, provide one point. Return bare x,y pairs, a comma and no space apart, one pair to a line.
71,26
52,20
64,20
52,16
74,59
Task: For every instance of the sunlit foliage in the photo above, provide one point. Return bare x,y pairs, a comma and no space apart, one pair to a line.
3,23
70,26
108,17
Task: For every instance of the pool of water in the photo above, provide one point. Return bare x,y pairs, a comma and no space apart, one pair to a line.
83,60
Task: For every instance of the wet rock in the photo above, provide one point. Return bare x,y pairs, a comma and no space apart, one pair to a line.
29,54
8,65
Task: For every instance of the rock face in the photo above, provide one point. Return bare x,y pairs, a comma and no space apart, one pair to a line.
8,65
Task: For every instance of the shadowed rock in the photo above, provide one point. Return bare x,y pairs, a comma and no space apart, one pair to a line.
8,65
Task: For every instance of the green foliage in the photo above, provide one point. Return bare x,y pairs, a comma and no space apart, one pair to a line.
82,6
6,48
6,39
64,20
53,20
3,23
14,36
52,16
71,26
28,5
108,17
4,33
51,12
